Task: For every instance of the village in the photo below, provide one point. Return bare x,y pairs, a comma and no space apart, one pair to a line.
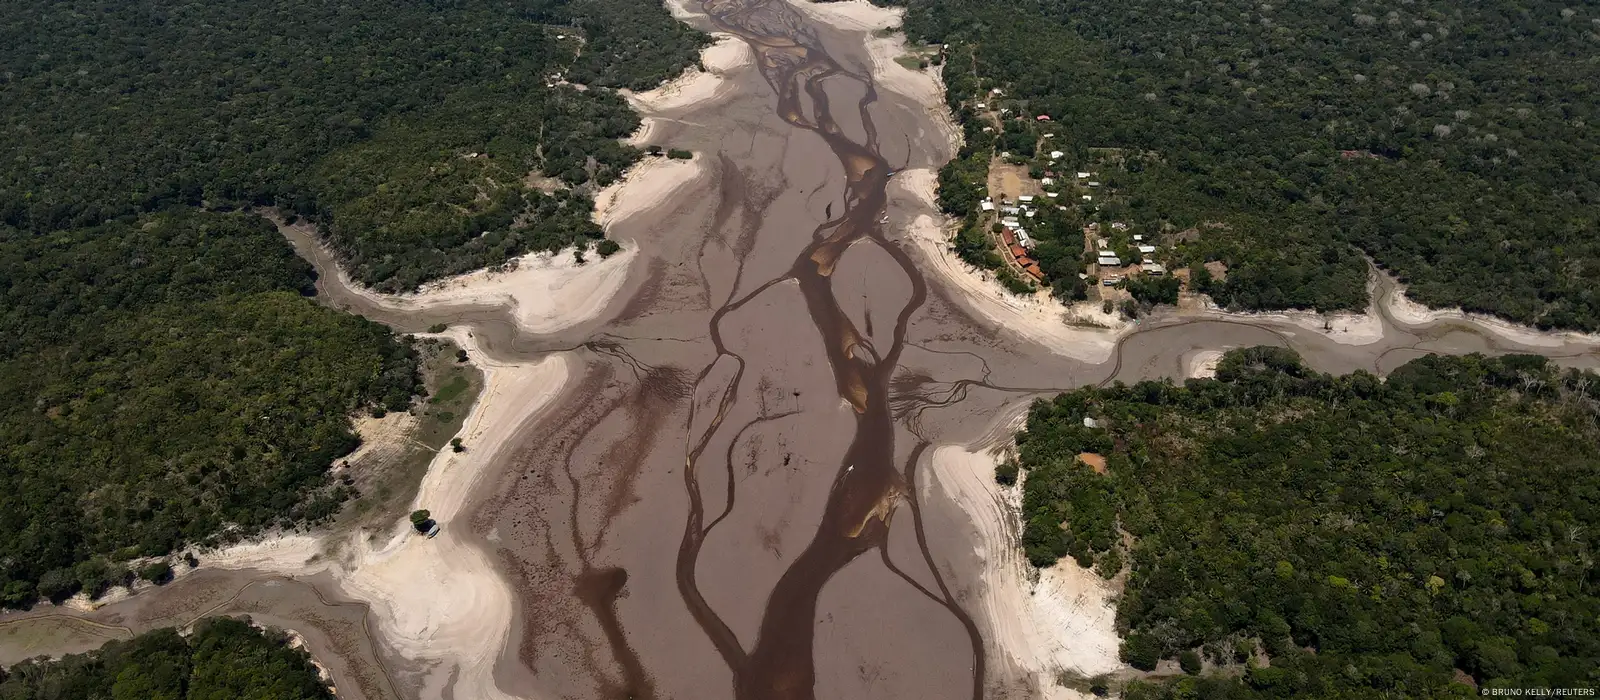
1033,198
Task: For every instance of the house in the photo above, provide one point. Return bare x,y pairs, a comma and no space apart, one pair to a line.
1010,240
1090,422
1153,269
1029,213
981,105
986,206
1010,222
1087,198
1109,261
1052,195
1019,252
1093,183
1042,118
1119,226
1022,237
1034,271
1082,175
996,91
1110,280
1104,243
1047,181
1147,249
1056,154
1025,199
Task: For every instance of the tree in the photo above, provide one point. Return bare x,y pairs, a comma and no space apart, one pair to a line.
606,248
1141,651
1189,661
418,517
1353,588
57,585
456,446
1006,473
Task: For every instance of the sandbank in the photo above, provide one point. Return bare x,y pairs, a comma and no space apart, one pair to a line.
545,292
1063,621
1203,364
1405,311
697,86
647,185
923,86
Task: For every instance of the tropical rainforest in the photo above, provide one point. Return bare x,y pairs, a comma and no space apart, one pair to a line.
222,659
425,138
165,379
1290,534
1453,144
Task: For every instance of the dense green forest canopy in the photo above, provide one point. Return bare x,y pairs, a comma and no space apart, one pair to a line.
1366,537
162,379
408,129
1454,143
222,658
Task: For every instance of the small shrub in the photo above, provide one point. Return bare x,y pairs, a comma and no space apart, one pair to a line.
158,573
607,248
456,446
679,154
1006,473
438,328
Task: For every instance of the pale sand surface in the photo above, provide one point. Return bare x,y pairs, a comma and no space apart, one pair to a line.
438,600
1403,310
696,88
1063,621
546,292
651,183
924,87
382,438
1203,364
1345,328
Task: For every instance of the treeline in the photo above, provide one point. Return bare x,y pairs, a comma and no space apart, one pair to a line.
163,380
1454,144
222,658
407,129
1293,534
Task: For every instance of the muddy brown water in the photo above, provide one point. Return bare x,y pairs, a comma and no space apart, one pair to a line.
725,501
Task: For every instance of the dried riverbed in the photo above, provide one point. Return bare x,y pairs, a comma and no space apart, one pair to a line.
742,483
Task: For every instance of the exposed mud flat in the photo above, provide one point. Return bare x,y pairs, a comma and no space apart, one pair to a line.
751,456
